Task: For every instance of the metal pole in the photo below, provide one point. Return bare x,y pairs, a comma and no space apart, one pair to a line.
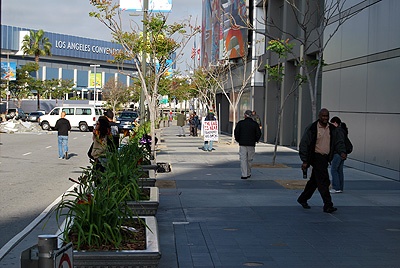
47,244
144,56
95,82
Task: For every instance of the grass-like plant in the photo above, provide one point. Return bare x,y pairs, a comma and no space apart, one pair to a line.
94,215
96,209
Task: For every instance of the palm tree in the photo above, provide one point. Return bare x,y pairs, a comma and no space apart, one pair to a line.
38,45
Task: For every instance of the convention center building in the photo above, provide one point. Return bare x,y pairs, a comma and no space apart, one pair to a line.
72,57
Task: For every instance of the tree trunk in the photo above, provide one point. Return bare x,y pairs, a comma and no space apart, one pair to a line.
233,126
278,130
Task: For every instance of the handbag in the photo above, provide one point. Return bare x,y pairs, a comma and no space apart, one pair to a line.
89,153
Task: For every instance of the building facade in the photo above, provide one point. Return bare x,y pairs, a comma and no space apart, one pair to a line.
72,57
358,82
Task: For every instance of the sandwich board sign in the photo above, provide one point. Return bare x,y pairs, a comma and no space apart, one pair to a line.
63,257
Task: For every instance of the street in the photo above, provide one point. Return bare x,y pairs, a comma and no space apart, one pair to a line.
32,176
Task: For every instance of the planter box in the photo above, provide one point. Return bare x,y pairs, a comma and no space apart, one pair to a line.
148,258
147,182
146,208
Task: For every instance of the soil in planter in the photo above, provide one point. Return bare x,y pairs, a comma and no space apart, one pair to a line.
131,240
144,194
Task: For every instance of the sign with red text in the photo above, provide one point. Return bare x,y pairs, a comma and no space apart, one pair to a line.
211,130
63,257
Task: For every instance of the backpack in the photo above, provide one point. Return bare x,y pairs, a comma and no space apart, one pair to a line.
348,144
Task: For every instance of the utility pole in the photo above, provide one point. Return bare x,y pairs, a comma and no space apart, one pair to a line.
144,56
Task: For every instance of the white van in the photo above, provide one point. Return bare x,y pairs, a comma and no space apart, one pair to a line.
83,117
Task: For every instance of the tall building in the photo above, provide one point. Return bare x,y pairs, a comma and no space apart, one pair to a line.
358,82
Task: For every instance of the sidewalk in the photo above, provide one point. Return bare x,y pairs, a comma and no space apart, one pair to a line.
209,217
214,219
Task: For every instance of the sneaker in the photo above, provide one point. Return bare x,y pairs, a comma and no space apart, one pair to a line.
333,191
304,205
339,191
243,178
330,209
60,157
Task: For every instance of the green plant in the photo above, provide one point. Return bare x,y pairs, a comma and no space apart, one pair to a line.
94,215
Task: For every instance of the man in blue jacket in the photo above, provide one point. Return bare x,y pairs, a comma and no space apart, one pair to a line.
247,133
319,142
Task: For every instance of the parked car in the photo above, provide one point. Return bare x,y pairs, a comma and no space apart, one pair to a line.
34,116
127,120
15,113
83,117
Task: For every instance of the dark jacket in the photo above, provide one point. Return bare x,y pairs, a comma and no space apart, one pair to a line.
309,139
247,132
62,126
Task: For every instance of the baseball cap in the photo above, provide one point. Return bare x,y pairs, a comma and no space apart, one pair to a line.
248,113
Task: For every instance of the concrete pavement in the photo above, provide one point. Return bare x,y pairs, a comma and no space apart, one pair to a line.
214,219
209,217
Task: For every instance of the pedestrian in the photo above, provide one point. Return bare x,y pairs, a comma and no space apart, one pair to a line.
337,161
316,149
208,145
256,118
114,130
63,127
181,122
247,133
194,123
101,134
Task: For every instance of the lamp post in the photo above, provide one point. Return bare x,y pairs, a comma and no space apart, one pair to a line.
95,82
144,56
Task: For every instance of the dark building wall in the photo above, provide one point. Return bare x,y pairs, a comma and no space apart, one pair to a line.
361,86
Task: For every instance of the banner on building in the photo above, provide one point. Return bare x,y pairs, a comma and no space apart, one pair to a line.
211,130
98,80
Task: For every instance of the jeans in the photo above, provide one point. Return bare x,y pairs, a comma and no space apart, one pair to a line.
337,172
181,131
246,155
62,144
208,145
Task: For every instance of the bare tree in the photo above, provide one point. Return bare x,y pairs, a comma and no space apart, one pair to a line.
313,19
115,93
242,74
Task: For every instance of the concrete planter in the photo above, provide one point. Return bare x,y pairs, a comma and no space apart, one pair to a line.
148,258
147,182
146,208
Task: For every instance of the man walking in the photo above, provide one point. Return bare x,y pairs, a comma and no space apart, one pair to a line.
319,142
181,121
63,126
247,133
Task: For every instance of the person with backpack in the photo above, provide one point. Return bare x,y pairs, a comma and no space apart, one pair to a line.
337,161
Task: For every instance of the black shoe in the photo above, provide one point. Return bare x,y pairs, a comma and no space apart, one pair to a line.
330,209
244,178
304,205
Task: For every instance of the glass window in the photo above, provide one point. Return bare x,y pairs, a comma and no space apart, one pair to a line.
98,112
55,112
83,111
68,111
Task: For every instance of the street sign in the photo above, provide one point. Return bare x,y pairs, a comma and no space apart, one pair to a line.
63,257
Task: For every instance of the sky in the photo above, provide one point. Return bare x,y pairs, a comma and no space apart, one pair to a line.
71,17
